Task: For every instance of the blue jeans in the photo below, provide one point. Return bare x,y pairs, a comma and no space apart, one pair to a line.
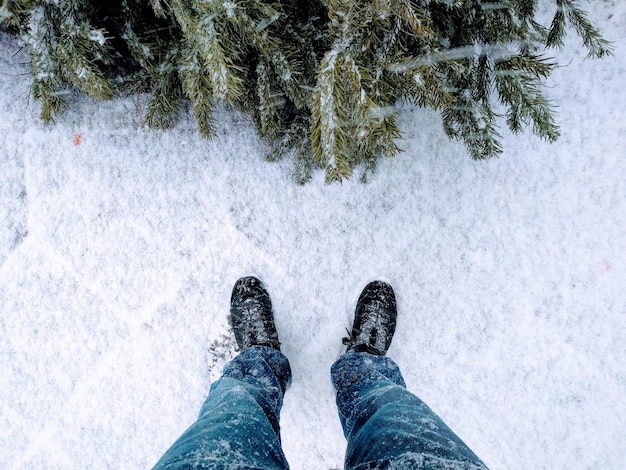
386,426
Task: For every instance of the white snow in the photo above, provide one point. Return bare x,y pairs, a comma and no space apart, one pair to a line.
119,247
97,35
5,14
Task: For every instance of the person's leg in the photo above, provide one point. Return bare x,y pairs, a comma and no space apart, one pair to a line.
238,425
386,425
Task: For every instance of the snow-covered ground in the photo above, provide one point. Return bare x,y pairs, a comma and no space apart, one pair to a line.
119,247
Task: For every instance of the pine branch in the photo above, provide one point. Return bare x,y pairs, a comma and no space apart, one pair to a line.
78,52
416,18
225,83
271,101
518,84
321,78
47,82
166,98
475,126
159,10
204,36
556,33
287,70
197,86
326,133
592,40
294,141
11,13
141,48
471,118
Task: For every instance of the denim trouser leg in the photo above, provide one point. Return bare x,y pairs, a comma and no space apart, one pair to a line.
386,425
238,424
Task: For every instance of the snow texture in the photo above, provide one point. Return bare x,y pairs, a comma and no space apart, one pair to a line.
119,247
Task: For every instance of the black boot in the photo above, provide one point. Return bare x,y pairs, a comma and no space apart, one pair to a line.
374,320
251,315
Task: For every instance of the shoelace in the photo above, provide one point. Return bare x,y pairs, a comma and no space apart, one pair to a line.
364,340
255,327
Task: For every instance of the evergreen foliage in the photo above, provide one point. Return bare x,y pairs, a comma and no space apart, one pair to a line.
320,78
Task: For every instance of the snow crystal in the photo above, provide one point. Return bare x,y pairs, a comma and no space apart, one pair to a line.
230,8
97,35
5,14
81,72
